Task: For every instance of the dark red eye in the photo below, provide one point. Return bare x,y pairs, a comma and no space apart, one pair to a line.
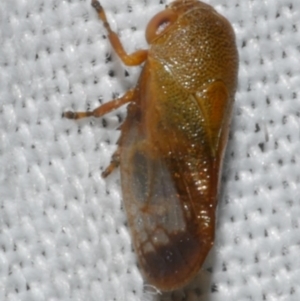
159,24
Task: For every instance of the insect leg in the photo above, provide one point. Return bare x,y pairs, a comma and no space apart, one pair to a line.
114,163
103,109
132,59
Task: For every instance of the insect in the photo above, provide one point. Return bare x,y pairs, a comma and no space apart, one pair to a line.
172,142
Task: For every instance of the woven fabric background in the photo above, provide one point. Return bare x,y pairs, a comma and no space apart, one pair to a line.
63,233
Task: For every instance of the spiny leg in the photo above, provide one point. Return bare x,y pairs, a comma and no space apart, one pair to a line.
100,111
103,109
132,59
114,163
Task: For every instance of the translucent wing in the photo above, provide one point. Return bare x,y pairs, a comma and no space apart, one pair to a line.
169,183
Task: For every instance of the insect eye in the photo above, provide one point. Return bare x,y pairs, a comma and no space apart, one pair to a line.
159,24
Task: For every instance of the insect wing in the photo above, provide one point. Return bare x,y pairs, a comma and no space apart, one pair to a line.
155,216
169,205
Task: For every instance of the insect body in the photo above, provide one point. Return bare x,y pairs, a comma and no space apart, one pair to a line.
173,139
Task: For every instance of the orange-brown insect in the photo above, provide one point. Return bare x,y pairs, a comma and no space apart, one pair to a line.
173,139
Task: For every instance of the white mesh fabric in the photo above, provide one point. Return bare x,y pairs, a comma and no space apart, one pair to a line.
63,233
